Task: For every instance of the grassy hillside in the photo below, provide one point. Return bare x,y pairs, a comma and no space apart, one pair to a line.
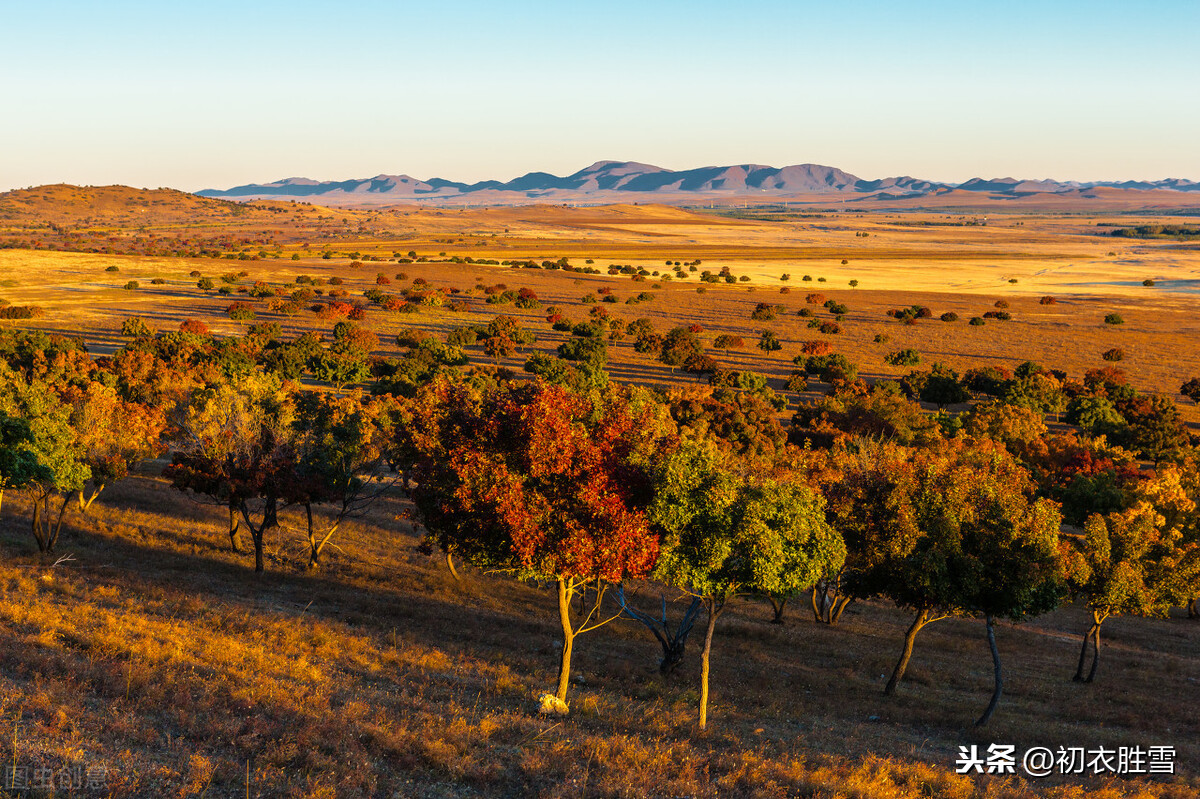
154,652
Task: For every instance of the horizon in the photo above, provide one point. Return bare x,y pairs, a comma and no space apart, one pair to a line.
233,94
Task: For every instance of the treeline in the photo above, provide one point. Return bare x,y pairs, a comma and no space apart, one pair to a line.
1157,232
568,480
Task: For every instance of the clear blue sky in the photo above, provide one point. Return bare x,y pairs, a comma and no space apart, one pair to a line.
213,94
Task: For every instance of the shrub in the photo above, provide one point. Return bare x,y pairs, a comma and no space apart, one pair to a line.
205,283
816,347
194,273
1003,316
725,341
830,328
111,269
853,283
195,327
1000,304
1191,390
976,322
905,357
158,281
462,337
1115,354
797,381
805,312
132,285
137,327
882,338
990,380
241,311
1047,300
815,299
763,312
21,312
768,342
1147,282
356,264
949,316
1114,319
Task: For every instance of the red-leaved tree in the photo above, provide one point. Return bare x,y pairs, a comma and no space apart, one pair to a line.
540,482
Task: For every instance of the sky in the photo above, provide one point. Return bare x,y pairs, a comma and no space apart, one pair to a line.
216,94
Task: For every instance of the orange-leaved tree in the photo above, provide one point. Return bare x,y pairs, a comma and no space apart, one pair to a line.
1127,562
540,482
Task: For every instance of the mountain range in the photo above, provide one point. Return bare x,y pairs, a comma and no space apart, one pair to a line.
623,181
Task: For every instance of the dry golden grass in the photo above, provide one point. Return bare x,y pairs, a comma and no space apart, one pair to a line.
158,654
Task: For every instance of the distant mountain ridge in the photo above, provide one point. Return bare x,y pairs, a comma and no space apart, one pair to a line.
611,180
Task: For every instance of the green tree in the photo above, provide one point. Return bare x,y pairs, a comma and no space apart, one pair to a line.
724,536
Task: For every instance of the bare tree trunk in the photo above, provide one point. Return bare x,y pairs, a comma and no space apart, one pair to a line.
235,528
910,637
816,605
2,502
1092,636
836,610
714,610
62,512
85,503
777,606
1193,611
999,680
37,524
565,594
1095,648
450,564
1087,639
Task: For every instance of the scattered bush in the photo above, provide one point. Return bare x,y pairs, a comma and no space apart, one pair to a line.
905,357
1115,354
882,338
726,341
205,283
816,347
797,381
1000,304
1147,282
949,316
132,285
1047,300
112,269
976,322
21,312
763,312
768,342
241,312
1114,319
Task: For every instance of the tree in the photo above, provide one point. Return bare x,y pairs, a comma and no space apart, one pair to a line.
1127,562
115,435
19,465
234,443
52,443
1191,389
340,444
962,536
539,482
724,536
678,345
